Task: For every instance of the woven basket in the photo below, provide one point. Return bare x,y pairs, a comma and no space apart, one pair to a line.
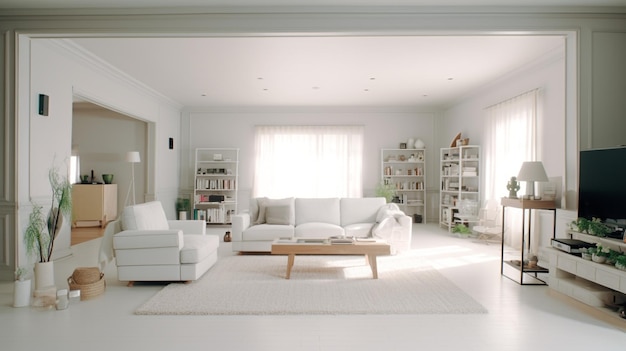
88,290
86,275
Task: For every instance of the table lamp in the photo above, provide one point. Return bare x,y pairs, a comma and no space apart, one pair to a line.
531,172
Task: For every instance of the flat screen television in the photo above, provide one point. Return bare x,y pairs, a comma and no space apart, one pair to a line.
602,186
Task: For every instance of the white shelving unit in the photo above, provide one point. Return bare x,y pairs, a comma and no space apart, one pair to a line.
406,169
594,284
459,174
215,184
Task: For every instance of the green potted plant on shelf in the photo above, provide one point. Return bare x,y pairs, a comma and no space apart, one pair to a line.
620,262
600,254
42,231
386,190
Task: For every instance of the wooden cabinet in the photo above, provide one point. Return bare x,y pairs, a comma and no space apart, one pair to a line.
93,204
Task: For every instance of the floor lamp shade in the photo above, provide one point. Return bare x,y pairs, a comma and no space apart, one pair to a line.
531,172
133,157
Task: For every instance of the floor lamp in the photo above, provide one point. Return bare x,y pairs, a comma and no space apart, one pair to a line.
132,157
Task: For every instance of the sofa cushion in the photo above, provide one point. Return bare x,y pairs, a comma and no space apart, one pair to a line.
254,208
318,230
146,216
267,232
360,210
198,247
359,230
135,239
322,210
277,209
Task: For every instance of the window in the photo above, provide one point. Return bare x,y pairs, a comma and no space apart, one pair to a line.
308,161
510,139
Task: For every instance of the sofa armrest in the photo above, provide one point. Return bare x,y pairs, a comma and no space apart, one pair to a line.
240,222
189,226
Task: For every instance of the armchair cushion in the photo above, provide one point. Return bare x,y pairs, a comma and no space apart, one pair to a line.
146,216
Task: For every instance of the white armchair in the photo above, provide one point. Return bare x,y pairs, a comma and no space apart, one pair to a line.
148,247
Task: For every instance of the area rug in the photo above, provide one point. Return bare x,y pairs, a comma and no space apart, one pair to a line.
256,285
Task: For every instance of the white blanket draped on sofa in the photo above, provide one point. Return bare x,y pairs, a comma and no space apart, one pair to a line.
389,227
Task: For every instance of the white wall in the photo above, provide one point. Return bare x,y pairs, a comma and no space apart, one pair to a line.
547,74
92,128
235,129
55,68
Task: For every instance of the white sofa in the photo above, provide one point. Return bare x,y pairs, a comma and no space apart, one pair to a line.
269,219
148,247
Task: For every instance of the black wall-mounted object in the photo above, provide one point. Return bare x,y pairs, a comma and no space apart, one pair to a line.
171,143
43,104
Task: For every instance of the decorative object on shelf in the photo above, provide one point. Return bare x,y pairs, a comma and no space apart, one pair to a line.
531,172
84,179
512,186
107,178
410,143
41,243
419,144
454,141
403,145
132,157
227,237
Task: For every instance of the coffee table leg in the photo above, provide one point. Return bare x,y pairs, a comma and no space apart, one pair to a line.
371,260
290,260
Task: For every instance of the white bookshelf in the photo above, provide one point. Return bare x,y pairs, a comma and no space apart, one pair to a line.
405,169
215,184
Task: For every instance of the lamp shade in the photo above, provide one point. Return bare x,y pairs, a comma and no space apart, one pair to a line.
133,157
532,171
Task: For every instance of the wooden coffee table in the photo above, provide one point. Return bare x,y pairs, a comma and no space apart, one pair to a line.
371,249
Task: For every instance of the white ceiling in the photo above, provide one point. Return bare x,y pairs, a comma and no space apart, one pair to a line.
417,71
409,71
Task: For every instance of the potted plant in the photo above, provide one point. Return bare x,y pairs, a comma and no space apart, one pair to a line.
41,232
586,253
597,228
386,190
182,207
462,230
620,262
22,287
600,254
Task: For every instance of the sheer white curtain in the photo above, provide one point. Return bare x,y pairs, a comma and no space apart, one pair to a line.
308,161
510,139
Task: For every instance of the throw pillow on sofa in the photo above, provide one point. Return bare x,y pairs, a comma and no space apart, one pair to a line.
281,211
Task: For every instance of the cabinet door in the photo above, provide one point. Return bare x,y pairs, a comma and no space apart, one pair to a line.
87,202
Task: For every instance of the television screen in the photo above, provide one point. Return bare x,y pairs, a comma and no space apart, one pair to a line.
602,185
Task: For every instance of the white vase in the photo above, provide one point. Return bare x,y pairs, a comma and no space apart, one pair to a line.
419,144
44,274
409,143
21,293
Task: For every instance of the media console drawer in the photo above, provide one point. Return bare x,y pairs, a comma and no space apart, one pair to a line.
566,263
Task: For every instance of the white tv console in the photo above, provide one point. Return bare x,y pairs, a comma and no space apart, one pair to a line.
594,284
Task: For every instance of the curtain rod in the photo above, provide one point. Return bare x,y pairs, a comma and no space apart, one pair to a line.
509,99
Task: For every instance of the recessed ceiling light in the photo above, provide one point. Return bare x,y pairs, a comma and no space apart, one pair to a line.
425,95
316,88
203,94
450,78
372,78
260,78
366,90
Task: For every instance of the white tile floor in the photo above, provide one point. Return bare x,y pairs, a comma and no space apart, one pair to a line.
519,318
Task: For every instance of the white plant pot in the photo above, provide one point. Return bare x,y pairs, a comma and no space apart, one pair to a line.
44,274
21,293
